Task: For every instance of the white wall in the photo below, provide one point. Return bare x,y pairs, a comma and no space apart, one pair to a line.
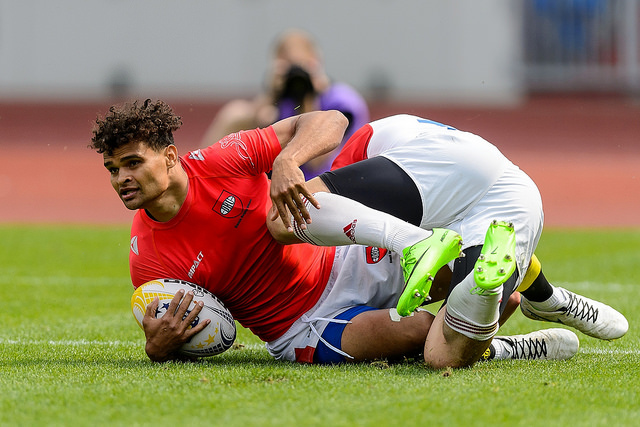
428,50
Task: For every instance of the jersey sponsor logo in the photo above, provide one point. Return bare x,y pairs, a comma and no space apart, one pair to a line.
196,263
134,245
228,205
375,255
196,155
350,231
233,140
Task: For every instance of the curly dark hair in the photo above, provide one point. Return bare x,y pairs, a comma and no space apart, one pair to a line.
152,122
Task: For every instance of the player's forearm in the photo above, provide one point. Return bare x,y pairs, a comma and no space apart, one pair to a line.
314,134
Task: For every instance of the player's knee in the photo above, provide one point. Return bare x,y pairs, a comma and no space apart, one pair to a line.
452,350
411,331
417,335
279,232
412,336
439,361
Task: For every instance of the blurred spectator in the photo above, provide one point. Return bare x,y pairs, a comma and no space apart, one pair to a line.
296,83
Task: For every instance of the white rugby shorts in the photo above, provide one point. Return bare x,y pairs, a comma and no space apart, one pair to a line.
513,197
360,276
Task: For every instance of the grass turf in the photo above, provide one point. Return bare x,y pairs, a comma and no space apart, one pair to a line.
71,353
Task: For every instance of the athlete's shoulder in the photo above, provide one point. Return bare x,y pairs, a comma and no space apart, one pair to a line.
239,153
355,149
137,223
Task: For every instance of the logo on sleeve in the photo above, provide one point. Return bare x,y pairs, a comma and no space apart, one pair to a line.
234,140
196,155
134,245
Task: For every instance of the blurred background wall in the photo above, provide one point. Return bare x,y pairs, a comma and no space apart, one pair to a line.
461,50
457,51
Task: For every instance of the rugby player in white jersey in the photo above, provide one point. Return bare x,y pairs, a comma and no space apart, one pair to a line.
453,183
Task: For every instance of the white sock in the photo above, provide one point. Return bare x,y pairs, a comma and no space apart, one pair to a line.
342,221
473,314
555,301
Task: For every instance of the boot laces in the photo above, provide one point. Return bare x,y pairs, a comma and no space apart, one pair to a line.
527,348
581,309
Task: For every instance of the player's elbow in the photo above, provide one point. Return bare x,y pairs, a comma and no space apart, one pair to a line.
333,123
342,122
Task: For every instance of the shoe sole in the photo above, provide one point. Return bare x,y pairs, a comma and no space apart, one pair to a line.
496,262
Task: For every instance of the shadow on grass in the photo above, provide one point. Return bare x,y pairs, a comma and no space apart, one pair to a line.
132,357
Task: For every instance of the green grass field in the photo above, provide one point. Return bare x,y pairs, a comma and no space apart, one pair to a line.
71,353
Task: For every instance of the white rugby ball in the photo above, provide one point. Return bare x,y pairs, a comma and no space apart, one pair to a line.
217,337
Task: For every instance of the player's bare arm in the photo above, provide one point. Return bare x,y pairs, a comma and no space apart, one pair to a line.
277,228
167,334
302,138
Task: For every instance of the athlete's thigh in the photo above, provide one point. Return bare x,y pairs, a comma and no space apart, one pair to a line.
380,184
373,334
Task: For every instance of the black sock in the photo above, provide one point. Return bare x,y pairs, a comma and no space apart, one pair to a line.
540,290
379,184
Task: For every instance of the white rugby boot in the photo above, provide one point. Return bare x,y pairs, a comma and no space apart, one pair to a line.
590,317
547,344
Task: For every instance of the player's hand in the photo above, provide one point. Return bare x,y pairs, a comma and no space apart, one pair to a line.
289,193
167,334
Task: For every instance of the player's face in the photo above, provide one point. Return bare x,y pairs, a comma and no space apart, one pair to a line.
139,174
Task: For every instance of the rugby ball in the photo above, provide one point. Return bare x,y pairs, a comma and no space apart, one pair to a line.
217,337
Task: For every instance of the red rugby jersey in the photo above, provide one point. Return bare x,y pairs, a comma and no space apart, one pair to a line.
355,149
219,239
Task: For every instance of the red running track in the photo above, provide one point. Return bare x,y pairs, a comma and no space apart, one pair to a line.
583,152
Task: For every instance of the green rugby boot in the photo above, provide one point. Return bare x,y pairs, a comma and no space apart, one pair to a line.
420,263
496,262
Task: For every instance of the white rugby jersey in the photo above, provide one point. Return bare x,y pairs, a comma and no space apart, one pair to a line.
452,169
